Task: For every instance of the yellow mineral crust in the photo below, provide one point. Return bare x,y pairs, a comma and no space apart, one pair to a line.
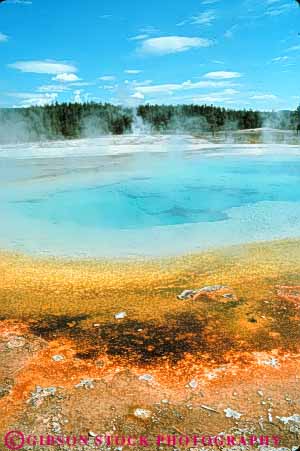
122,324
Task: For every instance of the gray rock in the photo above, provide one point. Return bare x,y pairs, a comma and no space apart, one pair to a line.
186,294
5,390
58,358
16,342
193,384
40,394
146,377
56,428
92,434
142,413
120,315
229,413
211,288
86,383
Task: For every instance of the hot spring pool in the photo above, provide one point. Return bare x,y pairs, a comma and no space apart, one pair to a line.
145,196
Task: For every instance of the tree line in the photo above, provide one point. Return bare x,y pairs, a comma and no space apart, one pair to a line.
76,120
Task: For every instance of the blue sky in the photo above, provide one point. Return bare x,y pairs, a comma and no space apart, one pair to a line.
233,53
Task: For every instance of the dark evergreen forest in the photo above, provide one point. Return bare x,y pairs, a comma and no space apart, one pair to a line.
76,120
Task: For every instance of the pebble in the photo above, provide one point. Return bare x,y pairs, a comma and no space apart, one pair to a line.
40,393
193,384
294,429
56,428
294,419
142,413
92,434
120,315
146,377
229,413
271,362
16,342
270,416
5,391
186,294
261,423
58,358
211,376
212,288
210,409
85,383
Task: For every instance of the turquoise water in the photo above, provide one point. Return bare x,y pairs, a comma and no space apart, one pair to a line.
191,191
148,204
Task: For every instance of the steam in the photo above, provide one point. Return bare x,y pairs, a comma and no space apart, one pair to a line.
276,128
15,133
139,127
93,126
92,121
16,127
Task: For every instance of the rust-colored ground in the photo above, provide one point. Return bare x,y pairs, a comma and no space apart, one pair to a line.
204,355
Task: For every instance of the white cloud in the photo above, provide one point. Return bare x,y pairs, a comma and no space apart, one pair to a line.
53,88
144,33
264,97
172,44
275,10
149,30
65,77
107,78
222,75
3,37
139,37
226,96
230,32
294,48
109,87
216,97
43,67
280,59
132,71
30,99
82,83
205,18
135,83
169,88
20,2
138,95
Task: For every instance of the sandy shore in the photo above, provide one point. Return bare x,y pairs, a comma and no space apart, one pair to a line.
238,351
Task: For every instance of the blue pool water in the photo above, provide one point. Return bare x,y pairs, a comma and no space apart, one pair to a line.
191,191
143,203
